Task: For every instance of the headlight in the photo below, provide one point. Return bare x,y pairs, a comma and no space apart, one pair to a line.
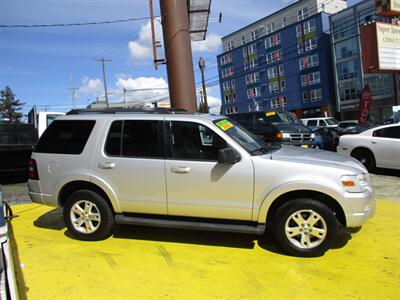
283,136
313,135
355,183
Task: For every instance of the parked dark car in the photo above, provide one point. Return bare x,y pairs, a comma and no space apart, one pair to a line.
326,138
282,127
355,130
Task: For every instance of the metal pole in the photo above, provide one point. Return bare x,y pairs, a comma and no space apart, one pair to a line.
178,51
153,35
103,60
125,103
202,66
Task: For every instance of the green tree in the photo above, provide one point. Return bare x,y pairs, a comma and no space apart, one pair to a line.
9,106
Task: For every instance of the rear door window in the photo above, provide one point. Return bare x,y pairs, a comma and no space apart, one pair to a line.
65,137
135,138
389,132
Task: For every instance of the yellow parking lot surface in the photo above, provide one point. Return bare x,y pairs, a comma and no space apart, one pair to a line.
150,263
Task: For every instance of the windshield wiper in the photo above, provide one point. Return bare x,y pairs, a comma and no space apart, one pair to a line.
260,150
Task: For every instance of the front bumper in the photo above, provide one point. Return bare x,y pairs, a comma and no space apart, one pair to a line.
362,208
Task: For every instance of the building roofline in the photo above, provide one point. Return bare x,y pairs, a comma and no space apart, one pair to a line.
350,7
264,18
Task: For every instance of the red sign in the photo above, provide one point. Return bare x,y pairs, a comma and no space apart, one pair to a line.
365,105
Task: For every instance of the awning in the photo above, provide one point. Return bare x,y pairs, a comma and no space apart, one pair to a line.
199,11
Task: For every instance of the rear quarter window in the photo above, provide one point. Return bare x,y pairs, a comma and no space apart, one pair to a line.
65,137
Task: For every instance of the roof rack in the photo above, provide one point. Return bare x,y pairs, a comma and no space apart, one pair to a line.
120,110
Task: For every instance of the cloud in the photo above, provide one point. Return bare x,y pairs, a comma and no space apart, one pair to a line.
157,88
91,87
141,49
211,44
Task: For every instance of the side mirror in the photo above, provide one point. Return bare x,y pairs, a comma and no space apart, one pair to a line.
228,156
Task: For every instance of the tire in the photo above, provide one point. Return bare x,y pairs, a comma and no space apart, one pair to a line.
88,216
313,227
366,158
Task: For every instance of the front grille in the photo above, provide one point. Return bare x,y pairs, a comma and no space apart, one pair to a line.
300,137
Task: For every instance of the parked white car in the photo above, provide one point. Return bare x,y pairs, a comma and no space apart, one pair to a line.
321,122
376,147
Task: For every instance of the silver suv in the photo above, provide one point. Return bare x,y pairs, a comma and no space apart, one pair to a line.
194,171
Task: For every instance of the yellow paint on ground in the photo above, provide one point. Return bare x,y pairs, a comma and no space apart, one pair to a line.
149,263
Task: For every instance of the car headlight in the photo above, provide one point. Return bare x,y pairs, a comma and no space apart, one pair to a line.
283,136
356,183
313,135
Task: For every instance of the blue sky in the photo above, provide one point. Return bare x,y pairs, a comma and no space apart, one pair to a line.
39,64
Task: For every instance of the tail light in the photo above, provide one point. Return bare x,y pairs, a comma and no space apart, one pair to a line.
33,171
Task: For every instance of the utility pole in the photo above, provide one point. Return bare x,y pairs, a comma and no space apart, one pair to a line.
73,95
125,102
202,66
103,60
178,51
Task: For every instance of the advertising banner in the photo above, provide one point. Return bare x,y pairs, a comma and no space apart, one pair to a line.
365,105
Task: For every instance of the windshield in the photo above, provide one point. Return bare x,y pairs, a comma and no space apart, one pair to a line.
280,117
332,121
251,143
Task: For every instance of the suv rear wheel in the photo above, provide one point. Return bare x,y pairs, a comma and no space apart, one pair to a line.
88,216
305,227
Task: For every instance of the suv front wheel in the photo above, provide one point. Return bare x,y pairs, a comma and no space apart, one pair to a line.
305,227
88,216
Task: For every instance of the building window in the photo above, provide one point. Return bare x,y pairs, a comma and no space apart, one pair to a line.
272,72
298,30
251,49
308,61
300,48
254,35
309,79
226,72
315,95
349,90
274,56
253,92
304,80
281,70
311,44
284,22
283,84
250,64
347,70
302,14
243,40
314,78
274,87
231,45
313,60
231,110
226,59
278,102
309,26
381,85
346,48
305,97
272,40
252,78
270,28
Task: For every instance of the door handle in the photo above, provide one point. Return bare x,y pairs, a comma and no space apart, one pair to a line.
372,142
107,165
180,170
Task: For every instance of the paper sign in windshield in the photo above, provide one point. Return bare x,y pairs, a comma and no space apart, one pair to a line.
224,125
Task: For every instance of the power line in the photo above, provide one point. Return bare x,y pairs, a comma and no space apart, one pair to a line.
74,24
